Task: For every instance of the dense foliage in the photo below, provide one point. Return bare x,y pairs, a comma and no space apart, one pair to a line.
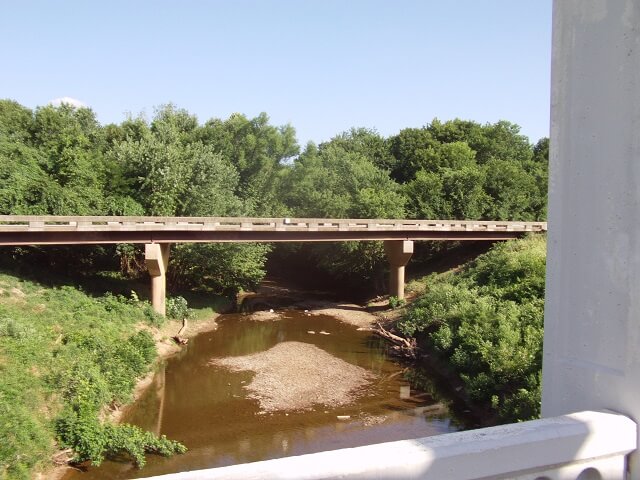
486,322
70,355
60,160
64,357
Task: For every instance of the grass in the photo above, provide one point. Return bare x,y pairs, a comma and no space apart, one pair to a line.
65,356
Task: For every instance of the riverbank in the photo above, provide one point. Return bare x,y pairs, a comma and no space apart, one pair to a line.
482,326
166,347
64,355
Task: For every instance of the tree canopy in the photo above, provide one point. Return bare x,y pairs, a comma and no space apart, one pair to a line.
62,161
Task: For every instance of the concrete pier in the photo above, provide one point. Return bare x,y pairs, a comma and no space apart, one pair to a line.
592,317
156,257
398,253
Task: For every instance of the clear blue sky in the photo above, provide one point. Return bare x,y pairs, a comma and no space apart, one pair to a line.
322,65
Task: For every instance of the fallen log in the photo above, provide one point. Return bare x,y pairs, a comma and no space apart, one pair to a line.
177,337
403,346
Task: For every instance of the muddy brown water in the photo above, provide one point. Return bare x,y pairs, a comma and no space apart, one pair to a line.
206,408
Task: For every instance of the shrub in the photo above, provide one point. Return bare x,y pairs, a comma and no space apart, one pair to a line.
487,323
64,358
177,308
395,302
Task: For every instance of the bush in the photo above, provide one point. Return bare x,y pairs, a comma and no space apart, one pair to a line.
487,323
395,302
177,308
105,372
64,358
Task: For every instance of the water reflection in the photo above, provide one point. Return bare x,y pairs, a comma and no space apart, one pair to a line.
207,409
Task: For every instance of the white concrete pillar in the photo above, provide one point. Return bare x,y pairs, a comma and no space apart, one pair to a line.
156,257
592,315
398,253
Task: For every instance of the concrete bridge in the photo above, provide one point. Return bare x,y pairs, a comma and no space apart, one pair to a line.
158,233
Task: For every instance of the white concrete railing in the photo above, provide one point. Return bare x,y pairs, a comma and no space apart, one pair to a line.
585,445
21,223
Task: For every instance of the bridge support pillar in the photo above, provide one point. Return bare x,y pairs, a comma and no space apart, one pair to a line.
398,253
156,256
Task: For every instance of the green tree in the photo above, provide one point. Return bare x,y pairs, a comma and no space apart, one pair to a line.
71,145
425,196
463,192
175,175
258,151
16,122
501,140
329,182
513,191
367,143
172,175
409,148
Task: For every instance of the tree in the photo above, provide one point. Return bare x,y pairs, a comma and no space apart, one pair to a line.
175,175
463,193
330,182
16,122
367,143
334,183
25,189
172,175
71,145
513,190
258,151
501,140
409,149
425,196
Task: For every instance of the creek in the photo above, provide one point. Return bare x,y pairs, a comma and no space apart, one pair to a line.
207,407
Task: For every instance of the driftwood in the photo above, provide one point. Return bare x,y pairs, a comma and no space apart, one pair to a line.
63,457
177,337
402,346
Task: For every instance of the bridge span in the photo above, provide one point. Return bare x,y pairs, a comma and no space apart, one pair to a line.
157,233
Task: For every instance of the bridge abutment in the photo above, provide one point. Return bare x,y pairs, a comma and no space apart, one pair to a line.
398,253
156,257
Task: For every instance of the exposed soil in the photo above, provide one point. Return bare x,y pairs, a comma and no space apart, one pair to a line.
265,316
351,314
298,376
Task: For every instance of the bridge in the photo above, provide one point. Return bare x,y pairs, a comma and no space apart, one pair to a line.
592,313
158,233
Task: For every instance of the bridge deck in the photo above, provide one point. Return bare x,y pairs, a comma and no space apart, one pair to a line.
59,230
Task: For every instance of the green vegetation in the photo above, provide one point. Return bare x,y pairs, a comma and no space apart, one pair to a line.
485,322
61,161
64,358
64,355
395,302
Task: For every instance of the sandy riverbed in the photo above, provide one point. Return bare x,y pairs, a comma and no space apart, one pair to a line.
298,376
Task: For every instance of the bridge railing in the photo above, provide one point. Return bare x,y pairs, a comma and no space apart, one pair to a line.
22,223
582,446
